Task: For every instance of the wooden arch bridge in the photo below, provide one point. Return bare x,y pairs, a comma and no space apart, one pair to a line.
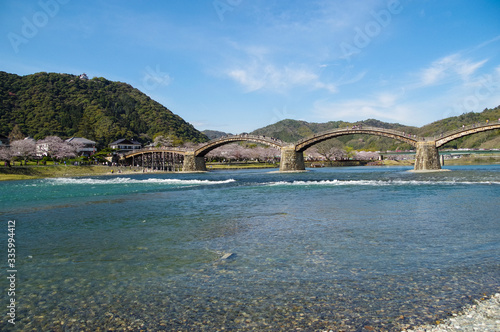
292,154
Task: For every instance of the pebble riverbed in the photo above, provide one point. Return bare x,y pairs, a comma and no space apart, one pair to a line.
123,305
483,316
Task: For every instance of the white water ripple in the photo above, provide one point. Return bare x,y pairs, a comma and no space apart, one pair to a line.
125,180
379,183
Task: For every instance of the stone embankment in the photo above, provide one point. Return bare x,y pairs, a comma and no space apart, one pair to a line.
483,316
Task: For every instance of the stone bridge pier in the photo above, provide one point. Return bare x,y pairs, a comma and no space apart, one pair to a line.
291,160
193,163
427,156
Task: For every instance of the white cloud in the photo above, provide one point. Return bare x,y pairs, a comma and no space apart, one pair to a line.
386,100
261,75
246,78
449,68
385,106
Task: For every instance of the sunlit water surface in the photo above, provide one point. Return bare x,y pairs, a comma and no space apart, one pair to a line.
341,249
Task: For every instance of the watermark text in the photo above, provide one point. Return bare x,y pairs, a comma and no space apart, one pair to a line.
11,271
31,26
223,6
364,35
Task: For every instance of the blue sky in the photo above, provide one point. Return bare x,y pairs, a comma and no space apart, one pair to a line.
238,65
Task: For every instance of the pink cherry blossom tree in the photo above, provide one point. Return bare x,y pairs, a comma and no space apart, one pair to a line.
5,154
24,149
56,148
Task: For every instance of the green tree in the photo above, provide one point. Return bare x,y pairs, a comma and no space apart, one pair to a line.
16,134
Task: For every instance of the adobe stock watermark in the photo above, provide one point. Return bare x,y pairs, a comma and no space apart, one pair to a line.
31,26
280,115
487,86
11,271
154,78
223,6
364,35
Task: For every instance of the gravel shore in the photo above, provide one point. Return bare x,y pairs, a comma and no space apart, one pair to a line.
483,316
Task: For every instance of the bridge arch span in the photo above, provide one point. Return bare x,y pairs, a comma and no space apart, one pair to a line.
218,142
306,143
466,131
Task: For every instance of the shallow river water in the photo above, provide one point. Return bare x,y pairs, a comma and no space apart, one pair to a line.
340,249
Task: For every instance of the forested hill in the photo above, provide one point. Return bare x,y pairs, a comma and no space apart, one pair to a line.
64,105
294,130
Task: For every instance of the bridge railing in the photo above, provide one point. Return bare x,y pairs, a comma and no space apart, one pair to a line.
277,141
465,128
271,140
362,128
213,144
156,149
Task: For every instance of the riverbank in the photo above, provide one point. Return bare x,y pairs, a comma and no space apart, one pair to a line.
39,172
473,160
484,316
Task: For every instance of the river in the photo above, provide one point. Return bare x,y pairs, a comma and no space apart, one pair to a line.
332,249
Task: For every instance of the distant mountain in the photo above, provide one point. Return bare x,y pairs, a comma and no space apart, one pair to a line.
294,130
212,134
45,104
